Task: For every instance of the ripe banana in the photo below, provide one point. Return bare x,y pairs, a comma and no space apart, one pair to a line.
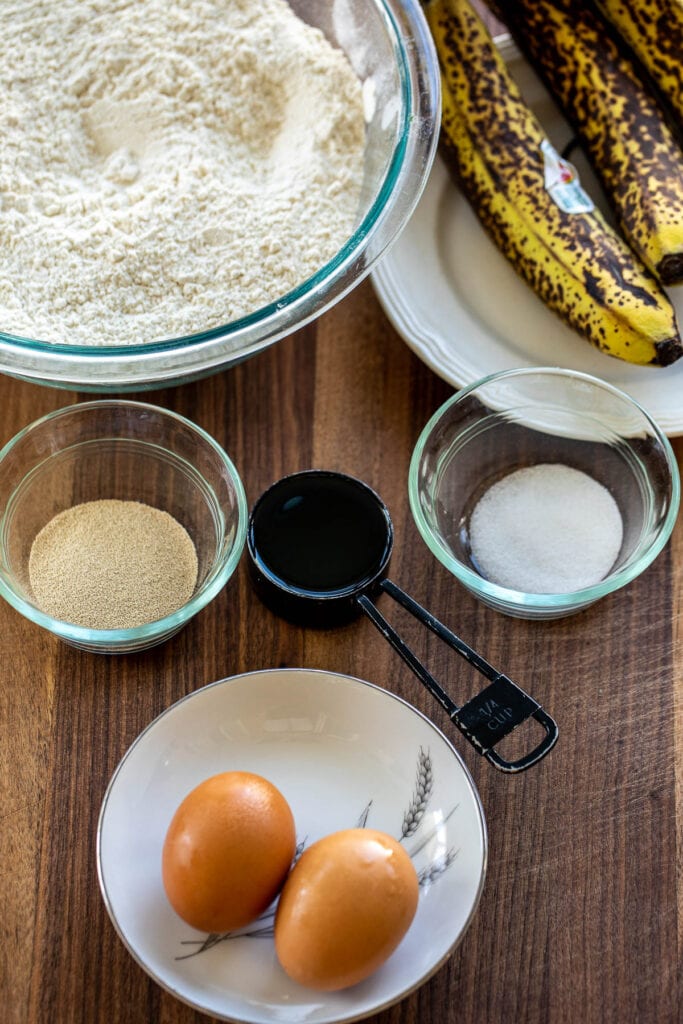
654,31
617,119
500,156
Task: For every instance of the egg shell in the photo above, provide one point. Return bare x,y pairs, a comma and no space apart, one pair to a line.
227,851
345,907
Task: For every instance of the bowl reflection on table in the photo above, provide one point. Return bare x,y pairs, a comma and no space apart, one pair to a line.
390,49
520,418
129,451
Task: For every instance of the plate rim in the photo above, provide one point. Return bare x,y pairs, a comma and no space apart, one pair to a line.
289,670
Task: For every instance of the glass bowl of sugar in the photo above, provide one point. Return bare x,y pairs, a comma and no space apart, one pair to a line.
119,521
543,490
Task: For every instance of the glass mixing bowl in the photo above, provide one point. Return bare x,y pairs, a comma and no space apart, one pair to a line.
389,46
522,418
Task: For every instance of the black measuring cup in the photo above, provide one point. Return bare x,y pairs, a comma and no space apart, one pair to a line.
319,546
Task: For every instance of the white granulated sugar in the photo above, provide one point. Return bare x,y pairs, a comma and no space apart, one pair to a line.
167,166
546,529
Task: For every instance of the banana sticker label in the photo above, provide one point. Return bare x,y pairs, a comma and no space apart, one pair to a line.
562,182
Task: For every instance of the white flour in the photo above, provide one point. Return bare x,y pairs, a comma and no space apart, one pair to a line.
167,166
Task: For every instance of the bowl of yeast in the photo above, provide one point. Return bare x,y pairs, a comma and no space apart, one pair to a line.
120,522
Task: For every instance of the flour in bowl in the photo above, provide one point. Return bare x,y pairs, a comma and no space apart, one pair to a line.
167,167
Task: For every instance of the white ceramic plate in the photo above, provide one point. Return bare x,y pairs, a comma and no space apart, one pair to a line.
342,751
465,312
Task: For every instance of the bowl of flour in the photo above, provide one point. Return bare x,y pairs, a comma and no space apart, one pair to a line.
183,185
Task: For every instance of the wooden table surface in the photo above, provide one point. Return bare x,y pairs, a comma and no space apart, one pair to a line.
581,918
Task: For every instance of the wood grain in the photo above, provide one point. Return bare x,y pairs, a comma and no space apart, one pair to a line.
581,916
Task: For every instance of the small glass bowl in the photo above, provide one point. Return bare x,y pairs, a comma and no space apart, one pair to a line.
523,417
129,451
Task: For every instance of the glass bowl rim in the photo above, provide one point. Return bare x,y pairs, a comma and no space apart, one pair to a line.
216,578
506,596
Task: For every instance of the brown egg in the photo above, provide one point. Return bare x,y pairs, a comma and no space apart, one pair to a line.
344,908
227,851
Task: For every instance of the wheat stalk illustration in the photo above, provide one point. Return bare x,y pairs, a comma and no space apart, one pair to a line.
424,783
365,813
433,871
263,928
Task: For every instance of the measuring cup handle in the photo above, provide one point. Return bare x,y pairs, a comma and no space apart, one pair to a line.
487,717
493,713
546,744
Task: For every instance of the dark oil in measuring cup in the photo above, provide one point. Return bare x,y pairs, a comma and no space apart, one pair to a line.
321,533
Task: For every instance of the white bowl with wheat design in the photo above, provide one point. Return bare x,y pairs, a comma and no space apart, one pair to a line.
344,753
